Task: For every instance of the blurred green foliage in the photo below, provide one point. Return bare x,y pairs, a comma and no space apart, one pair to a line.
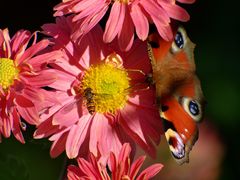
214,27
30,161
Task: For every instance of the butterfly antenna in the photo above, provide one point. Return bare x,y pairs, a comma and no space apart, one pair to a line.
136,70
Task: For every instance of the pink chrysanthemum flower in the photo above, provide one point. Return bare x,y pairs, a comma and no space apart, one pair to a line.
99,108
126,16
21,77
120,166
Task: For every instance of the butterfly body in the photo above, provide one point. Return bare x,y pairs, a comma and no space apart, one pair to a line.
178,91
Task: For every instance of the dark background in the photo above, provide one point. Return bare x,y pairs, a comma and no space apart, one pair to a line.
214,27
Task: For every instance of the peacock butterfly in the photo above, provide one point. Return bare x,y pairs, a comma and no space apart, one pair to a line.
178,91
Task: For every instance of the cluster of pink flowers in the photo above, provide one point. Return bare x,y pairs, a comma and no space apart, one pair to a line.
119,165
126,17
82,85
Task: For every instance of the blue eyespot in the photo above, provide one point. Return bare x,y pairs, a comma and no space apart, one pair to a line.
193,108
179,41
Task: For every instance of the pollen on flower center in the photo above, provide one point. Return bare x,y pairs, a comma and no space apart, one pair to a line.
109,85
8,72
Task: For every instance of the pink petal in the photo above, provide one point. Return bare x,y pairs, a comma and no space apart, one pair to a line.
59,133
46,58
125,152
132,122
144,99
140,22
137,58
33,93
53,105
22,47
88,24
44,101
113,165
85,4
87,8
152,124
63,81
150,172
33,50
174,11
136,166
6,126
126,34
6,44
67,115
45,129
44,78
92,52
104,137
76,136
165,31
155,11
123,158
95,134
61,30
27,109
160,19
73,173
51,29
92,168
62,8
88,169
20,42
115,21
93,160
16,126
58,145
68,67
1,37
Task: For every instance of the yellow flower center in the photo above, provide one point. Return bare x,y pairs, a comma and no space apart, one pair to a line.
107,86
8,72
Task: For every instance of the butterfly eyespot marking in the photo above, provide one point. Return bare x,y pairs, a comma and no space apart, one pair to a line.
174,140
192,107
177,147
179,40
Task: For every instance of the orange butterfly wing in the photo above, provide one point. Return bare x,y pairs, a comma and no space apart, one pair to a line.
178,91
